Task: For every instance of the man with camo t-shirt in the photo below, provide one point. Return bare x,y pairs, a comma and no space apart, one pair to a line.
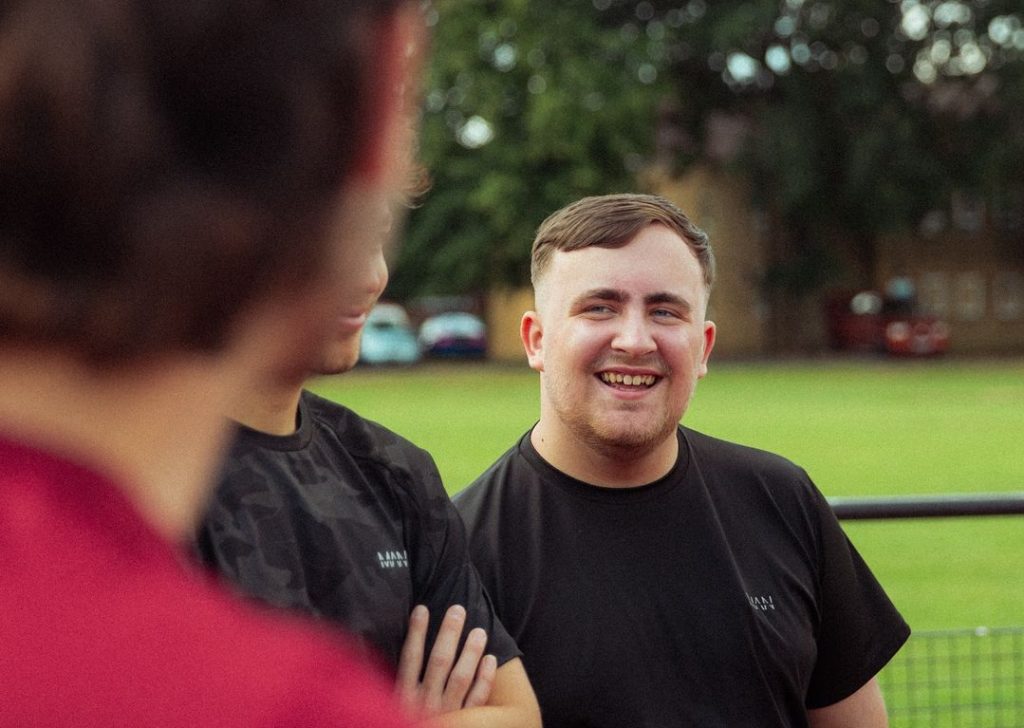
325,512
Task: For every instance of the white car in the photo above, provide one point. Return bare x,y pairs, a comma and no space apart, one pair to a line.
454,334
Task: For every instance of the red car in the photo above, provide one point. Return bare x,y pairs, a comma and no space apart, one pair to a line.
869,322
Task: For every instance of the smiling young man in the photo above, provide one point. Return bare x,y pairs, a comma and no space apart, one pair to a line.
654,576
321,511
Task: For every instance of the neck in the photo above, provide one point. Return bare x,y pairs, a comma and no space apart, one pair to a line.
603,465
271,408
158,430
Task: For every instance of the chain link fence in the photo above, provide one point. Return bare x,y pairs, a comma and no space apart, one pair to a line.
970,678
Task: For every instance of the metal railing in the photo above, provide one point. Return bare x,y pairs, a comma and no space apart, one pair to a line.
928,506
969,678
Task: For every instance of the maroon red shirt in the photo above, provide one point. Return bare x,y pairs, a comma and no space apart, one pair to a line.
103,624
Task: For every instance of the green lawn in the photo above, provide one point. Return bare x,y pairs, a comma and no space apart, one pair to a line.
859,428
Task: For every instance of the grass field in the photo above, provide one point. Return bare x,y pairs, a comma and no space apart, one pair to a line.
859,428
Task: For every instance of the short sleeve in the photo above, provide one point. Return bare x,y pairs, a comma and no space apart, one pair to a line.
446,575
859,629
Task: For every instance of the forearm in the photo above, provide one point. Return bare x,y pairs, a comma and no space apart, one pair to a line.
512,704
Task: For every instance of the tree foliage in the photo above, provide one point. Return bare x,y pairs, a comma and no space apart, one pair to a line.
864,117
850,117
528,106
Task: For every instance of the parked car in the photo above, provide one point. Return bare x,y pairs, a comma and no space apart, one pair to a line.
453,334
870,322
388,337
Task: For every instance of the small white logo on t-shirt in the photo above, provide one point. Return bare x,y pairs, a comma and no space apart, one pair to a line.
392,560
762,603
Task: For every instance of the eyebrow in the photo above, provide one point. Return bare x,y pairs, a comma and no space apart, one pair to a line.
671,298
617,296
602,294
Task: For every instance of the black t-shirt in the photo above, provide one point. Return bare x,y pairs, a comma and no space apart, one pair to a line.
345,520
724,594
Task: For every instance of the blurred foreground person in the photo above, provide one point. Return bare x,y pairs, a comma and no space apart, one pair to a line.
181,186
322,511
651,575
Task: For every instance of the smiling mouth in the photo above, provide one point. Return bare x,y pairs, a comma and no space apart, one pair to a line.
635,381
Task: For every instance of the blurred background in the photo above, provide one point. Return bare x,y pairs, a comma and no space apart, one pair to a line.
859,167
829,149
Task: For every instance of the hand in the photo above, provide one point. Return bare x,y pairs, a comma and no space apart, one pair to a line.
448,684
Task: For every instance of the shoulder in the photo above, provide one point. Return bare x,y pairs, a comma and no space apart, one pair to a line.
365,439
505,480
389,462
754,477
723,456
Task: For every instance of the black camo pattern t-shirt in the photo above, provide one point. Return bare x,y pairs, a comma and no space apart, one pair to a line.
347,521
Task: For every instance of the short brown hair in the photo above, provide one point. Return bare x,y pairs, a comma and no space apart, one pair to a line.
164,163
612,221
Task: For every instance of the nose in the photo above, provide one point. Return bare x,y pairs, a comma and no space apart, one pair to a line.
371,275
634,336
378,278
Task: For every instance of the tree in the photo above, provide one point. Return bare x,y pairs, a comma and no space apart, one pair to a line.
528,106
863,118
851,118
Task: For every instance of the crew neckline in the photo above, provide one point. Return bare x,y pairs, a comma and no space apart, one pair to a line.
607,494
293,441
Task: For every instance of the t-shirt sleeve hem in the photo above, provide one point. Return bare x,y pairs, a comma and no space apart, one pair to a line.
879,658
506,656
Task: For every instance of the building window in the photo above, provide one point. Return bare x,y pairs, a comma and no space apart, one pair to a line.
933,293
1008,295
969,296
968,213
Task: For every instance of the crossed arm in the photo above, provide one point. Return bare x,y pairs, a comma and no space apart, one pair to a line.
467,689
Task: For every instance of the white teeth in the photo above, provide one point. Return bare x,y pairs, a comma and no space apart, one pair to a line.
634,380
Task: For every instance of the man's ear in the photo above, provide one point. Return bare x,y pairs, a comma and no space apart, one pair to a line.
710,331
532,334
391,87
